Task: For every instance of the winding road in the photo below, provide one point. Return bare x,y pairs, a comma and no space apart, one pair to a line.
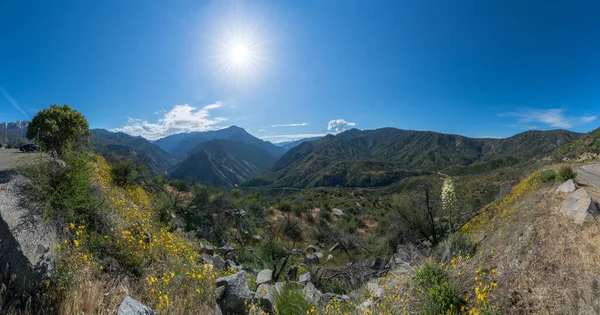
591,173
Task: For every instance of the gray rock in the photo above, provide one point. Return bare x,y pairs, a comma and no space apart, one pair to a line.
311,248
579,206
236,295
376,290
311,259
304,278
218,262
208,259
27,242
232,256
130,306
218,310
337,212
312,294
207,249
265,297
368,304
292,273
231,265
264,276
566,187
257,237
330,296
226,249
320,255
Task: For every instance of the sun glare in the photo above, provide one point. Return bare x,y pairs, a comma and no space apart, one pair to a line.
239,54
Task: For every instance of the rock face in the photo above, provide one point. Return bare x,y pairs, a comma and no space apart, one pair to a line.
566,187
264,276
27,242
130,306
236,295
579,206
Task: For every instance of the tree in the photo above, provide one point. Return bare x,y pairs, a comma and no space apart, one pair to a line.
59,129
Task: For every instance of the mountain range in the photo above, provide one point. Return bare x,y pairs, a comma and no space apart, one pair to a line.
13,133
354,158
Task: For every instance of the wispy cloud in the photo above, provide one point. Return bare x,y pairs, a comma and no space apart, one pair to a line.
180,119
283,138
553,117
339,125
14,103
288,125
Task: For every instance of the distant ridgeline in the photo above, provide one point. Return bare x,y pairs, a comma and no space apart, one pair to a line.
354,158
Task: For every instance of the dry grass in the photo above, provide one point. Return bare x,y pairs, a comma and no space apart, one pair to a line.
546,263
88,298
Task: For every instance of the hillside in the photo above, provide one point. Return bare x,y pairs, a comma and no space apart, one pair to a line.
117,145
590,143
221,162
376,153
14,132
181,145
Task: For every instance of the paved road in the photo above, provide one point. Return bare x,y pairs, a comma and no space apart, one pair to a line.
590,173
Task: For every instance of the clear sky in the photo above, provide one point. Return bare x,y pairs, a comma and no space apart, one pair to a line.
288,69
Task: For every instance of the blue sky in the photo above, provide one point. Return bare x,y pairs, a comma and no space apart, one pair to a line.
477,68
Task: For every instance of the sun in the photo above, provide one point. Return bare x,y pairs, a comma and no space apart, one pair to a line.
240,54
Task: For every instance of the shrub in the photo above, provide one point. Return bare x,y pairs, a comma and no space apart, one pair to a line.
547,175
440,296
457,244
124,173
565,173
291,301
291,227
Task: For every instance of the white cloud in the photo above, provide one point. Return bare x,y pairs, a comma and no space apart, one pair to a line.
180,119
553,117
283,138
288,125
339,125
14,103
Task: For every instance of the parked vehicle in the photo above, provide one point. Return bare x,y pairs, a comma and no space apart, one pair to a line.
29,148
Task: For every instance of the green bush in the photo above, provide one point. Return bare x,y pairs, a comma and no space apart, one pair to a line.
565,173
291,301
439,295
457,244
124,173
63,193
547,175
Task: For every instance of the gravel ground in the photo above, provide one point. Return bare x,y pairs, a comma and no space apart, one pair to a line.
9,158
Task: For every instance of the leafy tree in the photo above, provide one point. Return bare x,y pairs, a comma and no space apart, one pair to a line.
59,129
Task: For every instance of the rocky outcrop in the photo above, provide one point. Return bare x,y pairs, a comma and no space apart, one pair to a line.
264,276
579,206
265,297
566,187
27,242
130,306
236,295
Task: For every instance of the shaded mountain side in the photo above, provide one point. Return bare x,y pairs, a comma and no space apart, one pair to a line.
13,133
222,162
117,145
331,158
181,145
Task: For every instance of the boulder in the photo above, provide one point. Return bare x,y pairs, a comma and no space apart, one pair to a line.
304,278
265,297
208,259
264,276
27,241
226,249
218,262
366,305
218,310
320,255
237,294
130,306
311,259
232,256
231,265
579,206
337,212
292,273
311,248
207,249
312,294
566,187
329,258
